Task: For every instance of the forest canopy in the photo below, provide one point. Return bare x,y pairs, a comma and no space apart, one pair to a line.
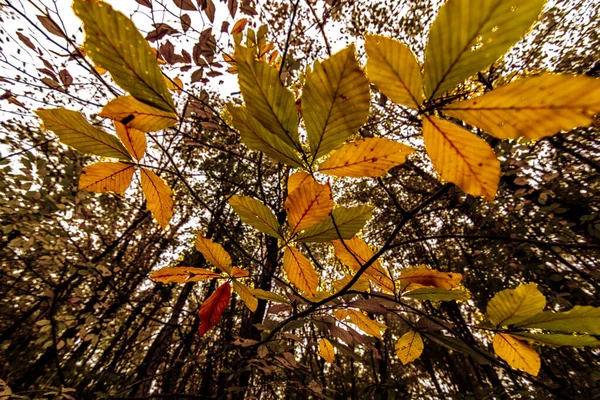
299,199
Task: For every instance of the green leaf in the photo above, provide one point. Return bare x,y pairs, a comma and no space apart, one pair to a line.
349,221
557,339
513,305
256,137
436,294
113,42
395,70
335,101
74,130
256,214
455,344
468,36
578,319
267,100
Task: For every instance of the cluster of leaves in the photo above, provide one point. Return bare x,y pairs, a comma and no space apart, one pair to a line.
333,106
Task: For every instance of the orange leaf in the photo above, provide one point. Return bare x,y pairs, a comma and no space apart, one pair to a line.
359,254
298,179
300,271
308,205
159,197
422,276
239,26
182,275
134,140
213,307
239,272
106,177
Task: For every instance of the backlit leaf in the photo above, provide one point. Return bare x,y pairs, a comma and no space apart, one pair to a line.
326,350
113,42
578,319
182,275
106,177
461,157
137,115
308,205
159,197
239,272
335,101
425,277
557,339
214,253
269,296
355,253
257,137
133,140
74,130
361,285
300,271
465,39
395,70
409,347
266,99
516,353
239,26
256,214
366,324
246,295
212,309
436,294
349,220
367,157
533,107
297,179
510,306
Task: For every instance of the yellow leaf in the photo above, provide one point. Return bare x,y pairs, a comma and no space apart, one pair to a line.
74,130
308,205
366,324
510,306
298,179
367,157
326,350
425,277
361,285
182,275
137,115
335,101
409,347
239,26
99,70
300,271
256,214
239,272
348,221
465,39
359,254
533,107
266,99
395,70
113,42
246,296
257,137
269,296
133,140
461,157
214,253
106,177
178,85
159,197
516,353
341,314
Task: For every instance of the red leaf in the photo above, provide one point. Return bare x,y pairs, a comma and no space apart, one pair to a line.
213,307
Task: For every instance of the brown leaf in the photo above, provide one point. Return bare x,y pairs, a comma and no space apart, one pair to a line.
232,5
225,27
210,10
167,51
26,41
145,3
65,77
186,22
187,58
51,26
185,5
53,84
160,31
197,75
